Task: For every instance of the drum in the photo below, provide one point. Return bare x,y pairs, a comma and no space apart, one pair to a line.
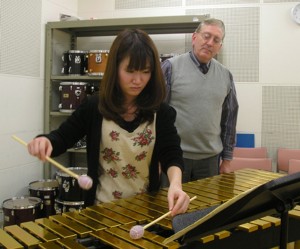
65,63
47,191
20,209
97,60
71,95
69,189
68,206
74,62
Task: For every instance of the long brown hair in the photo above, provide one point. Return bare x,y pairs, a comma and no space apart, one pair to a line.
140,48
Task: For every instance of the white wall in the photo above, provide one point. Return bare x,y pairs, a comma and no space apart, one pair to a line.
22,110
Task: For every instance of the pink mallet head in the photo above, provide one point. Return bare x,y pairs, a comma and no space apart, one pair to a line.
85,182
136,232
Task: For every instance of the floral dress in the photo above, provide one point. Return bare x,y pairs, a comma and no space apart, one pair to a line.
125,157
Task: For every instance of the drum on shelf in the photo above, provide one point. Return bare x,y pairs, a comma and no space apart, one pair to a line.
65,63
74,62
97,60
47,191
69,189
71,95
20,209
68,206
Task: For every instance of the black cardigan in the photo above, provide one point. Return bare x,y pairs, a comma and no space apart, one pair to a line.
87,120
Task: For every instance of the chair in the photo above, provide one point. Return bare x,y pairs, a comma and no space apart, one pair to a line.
253,163
256,152
283,157
294,166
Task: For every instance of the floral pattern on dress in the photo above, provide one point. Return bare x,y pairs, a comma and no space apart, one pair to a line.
144,138
117,194
129,172
114,135
112,172
141,156
110,155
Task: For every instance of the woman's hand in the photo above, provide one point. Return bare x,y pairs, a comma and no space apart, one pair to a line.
177,198
40,147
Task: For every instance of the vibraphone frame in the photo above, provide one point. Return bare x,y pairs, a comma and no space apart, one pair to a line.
107,225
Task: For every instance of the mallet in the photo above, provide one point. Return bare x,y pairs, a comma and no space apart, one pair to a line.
84,181
137,231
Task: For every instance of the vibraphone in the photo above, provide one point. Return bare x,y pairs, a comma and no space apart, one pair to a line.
107,225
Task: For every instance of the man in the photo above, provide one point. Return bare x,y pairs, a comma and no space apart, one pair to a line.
203,93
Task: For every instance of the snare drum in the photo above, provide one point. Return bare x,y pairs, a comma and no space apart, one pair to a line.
68,206
21,209
47,190
69,189
77,62
71,95
97,60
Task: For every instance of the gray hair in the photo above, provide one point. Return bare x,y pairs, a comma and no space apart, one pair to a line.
213,22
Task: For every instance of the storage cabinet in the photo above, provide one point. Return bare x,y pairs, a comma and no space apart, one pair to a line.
68,35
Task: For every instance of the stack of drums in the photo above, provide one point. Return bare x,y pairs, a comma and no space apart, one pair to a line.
47,191
21,209
71,196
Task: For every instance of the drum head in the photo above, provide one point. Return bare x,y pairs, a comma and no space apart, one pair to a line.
44,185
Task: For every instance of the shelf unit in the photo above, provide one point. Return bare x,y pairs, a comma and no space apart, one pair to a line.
62,36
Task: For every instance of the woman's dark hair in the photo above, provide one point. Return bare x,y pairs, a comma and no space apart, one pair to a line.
140,49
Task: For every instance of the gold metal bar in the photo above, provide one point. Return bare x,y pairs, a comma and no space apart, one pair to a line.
275,221
152,205
111,214
85,221
261,223
112,240
142,243
154,238
56,228
294,213
207,239
9,242
80,230
222,234
141,210
126,212
21,235
39,231
70,244
248,227
49,245
99,218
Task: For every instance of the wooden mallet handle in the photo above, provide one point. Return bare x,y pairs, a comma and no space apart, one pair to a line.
50,160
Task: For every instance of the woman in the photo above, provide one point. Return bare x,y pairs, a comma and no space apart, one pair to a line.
129,130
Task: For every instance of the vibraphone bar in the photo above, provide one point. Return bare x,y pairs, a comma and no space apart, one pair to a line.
107,225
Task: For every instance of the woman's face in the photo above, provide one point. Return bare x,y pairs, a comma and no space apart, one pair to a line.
132,82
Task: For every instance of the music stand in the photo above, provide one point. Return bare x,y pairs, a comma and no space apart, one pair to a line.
274,197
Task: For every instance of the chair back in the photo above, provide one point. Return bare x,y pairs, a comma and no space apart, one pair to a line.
256,152
294,166
283,157
253,163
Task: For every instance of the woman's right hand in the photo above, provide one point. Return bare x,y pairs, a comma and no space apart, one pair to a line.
40,147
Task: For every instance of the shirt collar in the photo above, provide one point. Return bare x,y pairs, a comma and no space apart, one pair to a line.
196,61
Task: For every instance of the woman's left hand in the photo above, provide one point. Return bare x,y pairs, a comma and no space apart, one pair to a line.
178,200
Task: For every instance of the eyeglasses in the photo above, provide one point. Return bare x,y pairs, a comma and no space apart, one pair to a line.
207,37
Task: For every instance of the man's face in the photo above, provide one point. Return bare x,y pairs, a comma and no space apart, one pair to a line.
207,42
